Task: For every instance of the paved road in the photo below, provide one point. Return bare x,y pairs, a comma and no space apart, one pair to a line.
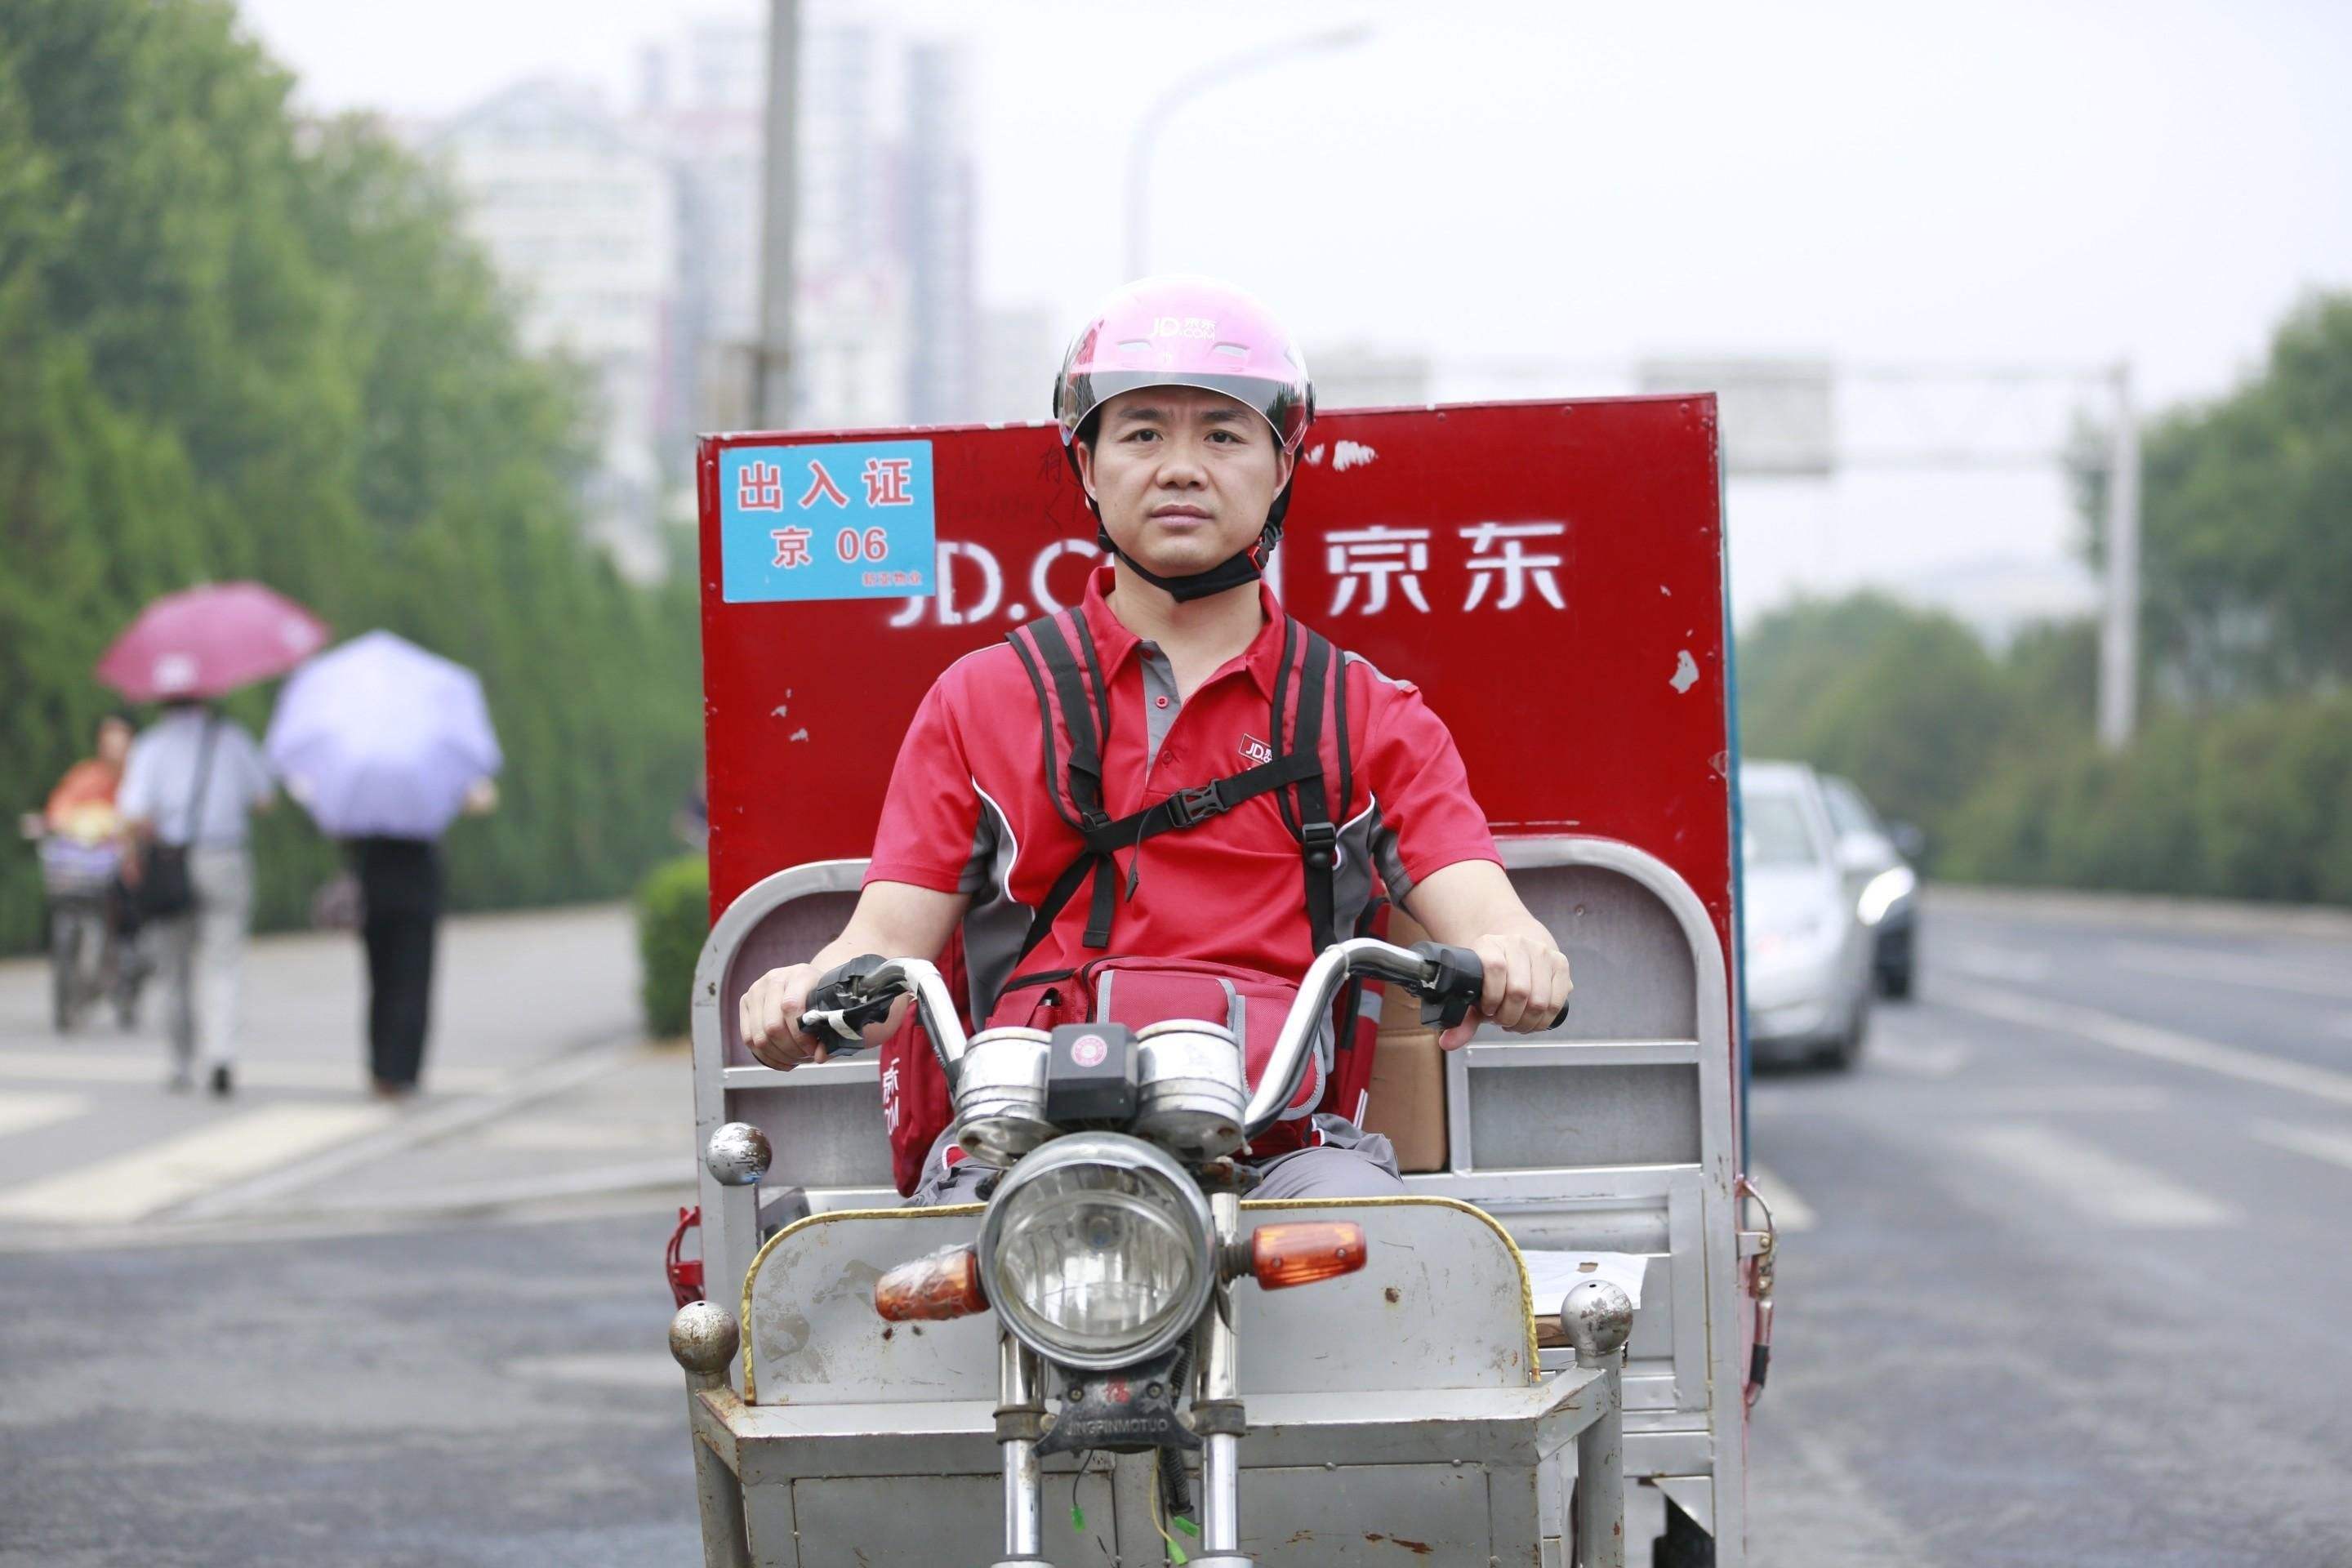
2063,1282
2073,1283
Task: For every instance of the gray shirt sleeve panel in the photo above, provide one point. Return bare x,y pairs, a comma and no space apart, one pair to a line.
993,925
1389,859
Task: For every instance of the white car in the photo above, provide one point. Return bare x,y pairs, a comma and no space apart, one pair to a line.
1806,954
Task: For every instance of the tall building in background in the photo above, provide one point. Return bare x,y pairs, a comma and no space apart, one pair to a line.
579,215
850,333
701,100
943,318
634,245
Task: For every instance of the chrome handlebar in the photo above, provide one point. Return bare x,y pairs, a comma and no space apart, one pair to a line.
1285,1067
1332,968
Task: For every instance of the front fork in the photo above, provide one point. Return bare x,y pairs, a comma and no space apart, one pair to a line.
1216,1408
1020,1422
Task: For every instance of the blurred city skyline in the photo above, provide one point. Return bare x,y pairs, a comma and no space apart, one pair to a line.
1531,200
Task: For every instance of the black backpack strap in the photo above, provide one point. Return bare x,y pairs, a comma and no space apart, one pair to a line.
1084,775
1318,839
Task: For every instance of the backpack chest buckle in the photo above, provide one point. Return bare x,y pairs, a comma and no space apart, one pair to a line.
1187,806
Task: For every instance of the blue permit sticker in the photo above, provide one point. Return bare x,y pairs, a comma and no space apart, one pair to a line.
849,520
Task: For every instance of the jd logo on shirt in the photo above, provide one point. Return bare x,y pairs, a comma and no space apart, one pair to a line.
1256,750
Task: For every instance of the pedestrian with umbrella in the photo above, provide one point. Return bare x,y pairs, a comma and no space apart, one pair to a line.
384,744
190,785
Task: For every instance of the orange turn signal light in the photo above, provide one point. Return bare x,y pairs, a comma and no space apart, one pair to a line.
1282,1255
932,1290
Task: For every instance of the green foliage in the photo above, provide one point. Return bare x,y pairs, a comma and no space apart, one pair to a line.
1846,684
2240,784
2248,804
236,345
673,918
2246,522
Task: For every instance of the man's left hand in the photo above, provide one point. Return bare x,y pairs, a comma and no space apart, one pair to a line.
1527,985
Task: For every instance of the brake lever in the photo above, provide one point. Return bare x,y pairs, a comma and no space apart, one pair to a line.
839,1012
1457,979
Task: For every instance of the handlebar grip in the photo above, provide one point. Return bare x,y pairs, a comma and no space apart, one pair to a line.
1458,979
838,1009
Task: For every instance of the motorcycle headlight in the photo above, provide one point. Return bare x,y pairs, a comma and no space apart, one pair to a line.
1097,1251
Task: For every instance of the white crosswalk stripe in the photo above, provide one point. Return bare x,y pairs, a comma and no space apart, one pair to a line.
2332,1144
2122,1033
130,1187
2091,1182
23,1113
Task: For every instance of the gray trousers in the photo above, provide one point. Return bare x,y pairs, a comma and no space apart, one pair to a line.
202,955
1352,1163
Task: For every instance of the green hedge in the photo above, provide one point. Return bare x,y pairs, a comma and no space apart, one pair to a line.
673,918
236,340
2251,802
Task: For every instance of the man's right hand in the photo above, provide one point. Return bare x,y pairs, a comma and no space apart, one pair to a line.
769,1017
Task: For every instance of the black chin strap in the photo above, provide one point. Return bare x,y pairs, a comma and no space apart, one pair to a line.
1231,572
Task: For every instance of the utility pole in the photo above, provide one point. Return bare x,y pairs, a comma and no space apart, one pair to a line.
2119,628
772,356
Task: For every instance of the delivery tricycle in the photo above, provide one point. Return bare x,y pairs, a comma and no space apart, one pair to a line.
1118,1356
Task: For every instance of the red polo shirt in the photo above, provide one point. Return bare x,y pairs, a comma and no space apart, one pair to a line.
969,810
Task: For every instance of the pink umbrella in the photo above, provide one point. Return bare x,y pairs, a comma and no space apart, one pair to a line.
209,640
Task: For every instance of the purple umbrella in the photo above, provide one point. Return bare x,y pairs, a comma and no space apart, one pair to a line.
381,737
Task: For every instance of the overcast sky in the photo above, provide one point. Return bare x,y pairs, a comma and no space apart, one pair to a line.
1586,183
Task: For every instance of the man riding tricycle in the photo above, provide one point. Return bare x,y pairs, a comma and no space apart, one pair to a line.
1189,962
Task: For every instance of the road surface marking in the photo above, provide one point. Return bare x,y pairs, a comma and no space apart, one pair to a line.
2147,1040
1917,1057
2237,969
133,1185
2331,1144
1790,1212
1997,963
22,1113
2094,1182
38,1066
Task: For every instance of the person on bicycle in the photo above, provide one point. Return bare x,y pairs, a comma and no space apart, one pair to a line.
83,806
1149,771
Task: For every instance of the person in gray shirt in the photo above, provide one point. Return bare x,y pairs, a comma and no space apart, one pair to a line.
194,778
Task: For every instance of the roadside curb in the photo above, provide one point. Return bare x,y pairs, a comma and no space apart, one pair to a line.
2220,916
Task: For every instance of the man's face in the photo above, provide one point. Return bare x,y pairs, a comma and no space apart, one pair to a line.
113,740
1184,477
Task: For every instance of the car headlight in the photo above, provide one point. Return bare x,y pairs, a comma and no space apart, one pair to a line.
1884,891
1097,1251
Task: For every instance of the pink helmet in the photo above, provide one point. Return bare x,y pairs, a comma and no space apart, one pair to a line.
1181,331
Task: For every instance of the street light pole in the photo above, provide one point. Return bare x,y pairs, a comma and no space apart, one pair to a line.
1162,109
2119,628
771,357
